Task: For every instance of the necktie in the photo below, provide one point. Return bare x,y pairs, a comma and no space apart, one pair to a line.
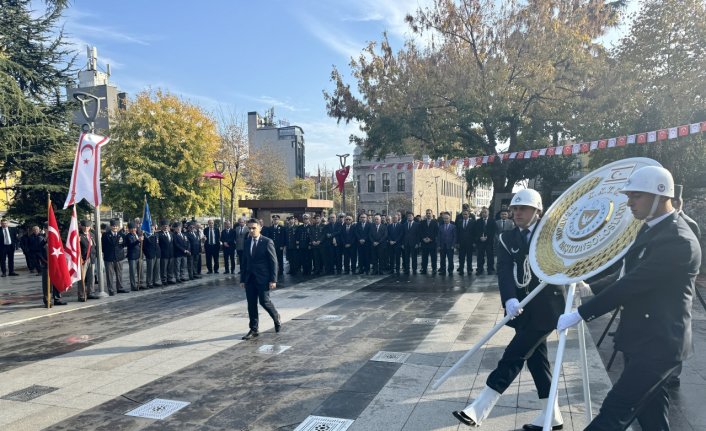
377,229
447,227
348,228
465,222
7,236
254,244
410,225
525,235
211,239
502,225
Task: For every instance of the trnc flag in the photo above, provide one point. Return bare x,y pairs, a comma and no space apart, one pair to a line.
86,174
341,175
57,268
146,226
73,249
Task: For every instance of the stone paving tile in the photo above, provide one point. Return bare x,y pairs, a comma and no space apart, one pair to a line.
433,415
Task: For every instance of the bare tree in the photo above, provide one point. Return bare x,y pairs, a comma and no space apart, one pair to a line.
234,152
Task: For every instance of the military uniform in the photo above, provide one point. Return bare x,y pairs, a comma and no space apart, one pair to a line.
292,251
655,297
150,248
113,245
303,241
316,237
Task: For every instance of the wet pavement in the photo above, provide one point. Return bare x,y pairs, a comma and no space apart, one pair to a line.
355,351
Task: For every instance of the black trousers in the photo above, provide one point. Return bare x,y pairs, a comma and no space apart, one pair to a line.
364,257
529,346
317,255
7,252
638,394
465,256
349,258
280,260
305,260
255,292
485,251
211,257
428,250
329,258
229,259
293,260
378,255
394,252
446,259
409,254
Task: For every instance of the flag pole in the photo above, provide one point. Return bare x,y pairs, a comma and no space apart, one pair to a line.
46,255
80,262
139,262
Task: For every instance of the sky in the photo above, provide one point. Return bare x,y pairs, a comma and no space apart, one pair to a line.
238,56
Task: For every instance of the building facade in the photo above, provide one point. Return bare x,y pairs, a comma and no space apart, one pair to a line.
393,187
287,141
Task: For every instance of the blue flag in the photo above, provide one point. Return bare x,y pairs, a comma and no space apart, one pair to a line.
146,225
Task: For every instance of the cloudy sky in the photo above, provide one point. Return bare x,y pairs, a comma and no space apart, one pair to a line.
241,56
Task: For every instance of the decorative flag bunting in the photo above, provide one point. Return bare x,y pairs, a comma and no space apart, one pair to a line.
669,133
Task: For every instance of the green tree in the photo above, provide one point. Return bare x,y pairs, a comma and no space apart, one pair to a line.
657,80
36,139
267,174
302,188
161,147
499,74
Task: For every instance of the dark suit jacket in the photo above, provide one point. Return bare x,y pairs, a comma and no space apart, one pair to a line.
347,236
543,311
692,225
430,230
261,266
655,293
88,254
166,246
447,236
489,230
13,236
464,237
410,235
150,246
217,236
133,246
362,233
113,246
228,237
378,235
181,244
395,234
194,243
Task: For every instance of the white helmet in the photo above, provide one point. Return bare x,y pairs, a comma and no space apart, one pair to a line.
528,197
651,179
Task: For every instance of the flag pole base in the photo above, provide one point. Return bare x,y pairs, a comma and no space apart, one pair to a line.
101,294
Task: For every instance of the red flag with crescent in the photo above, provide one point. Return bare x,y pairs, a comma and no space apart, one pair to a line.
86,174
341,175
57,268
73,249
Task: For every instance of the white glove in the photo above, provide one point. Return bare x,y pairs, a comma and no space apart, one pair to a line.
512,307
584,289
568,320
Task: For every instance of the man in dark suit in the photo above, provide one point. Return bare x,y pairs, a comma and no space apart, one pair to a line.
279,236
212,247
338,248
182,249
87,238
134,247
241,233
484,235
410,243
362,235
347,240
532,325
655,297
303,244
228,244
195,248
259,276
329,245
378,242
428,233
316,234
464,237
166,254
8,245
292,251
459,216
113,244
395,236
150,248
447,242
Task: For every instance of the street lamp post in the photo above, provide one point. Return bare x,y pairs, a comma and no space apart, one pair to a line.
220,167
342,159
436,190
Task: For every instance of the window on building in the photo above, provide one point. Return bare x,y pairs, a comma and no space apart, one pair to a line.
358,183
371,183
385,182
400,181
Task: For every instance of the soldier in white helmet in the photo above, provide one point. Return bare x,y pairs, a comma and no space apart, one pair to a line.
654,295
532,325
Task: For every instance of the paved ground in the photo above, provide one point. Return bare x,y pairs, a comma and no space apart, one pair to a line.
89,364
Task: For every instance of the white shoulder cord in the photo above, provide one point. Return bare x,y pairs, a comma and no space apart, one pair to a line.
527,269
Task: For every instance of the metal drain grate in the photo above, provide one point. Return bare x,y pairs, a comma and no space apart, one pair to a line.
322,423
30,393
397,357
157,409
269,349
330,318
425,321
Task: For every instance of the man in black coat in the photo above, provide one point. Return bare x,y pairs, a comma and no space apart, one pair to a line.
410,243
134,246
395,236
292,250
113,244
303,244
166,254
464,236
195,248
330,249
212,247
228,244
151,250
8,245
655,297
348,242
484,235
378,243
279,236
362,236
428,233
316,233
87,239
182,249
258,277
532,325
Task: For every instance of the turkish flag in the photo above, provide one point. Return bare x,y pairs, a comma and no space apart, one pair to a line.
684,130
466,162
602,143
58,270
86,174
567,150
703,126
491,159
662,134
341,175
622,140
584,147
551,151
410,166
479,161
641,138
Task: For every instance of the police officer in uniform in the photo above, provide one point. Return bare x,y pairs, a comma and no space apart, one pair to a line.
304,244
292,252
317,244
532,325
655,297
